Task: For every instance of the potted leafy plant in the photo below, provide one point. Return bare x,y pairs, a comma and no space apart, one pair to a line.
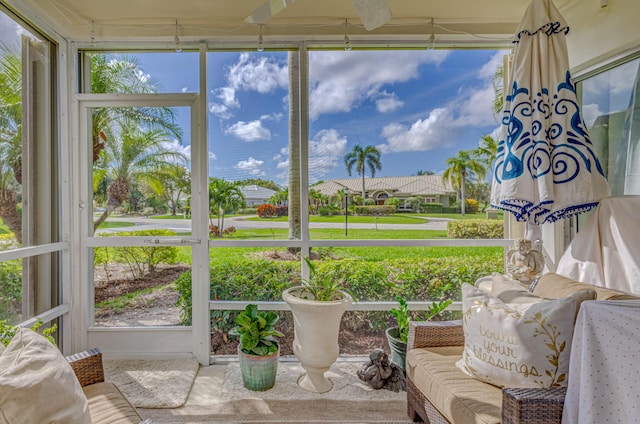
317,306
258,349
397,336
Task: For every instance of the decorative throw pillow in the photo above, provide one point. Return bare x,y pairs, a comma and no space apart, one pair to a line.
37,384
516,345
485,283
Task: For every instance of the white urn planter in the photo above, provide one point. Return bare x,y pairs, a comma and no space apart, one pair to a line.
316,327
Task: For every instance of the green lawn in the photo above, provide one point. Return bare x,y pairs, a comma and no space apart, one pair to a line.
115,224
338,234
355,219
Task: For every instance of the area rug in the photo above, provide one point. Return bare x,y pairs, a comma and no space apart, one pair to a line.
218,397
153,383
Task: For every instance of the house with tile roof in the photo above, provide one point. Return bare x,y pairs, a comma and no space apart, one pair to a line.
431,188
256,195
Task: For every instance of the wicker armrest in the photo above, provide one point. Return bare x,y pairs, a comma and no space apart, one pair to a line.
532,406
87,366
435,333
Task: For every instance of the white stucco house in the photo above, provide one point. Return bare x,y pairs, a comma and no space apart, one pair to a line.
255,195
431,188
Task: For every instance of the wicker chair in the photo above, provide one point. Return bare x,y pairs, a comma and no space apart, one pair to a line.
106,403
519,406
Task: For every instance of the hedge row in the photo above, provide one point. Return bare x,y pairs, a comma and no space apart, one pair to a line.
259,279
375,210
475,229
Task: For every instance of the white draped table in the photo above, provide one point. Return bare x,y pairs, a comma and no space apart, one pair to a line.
604,374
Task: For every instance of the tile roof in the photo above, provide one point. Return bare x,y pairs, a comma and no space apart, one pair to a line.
421,185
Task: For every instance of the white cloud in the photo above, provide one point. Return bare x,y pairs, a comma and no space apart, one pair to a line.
326,150
590,112
341,80
251,165
249,131
472,107
424,134
212,156
175,146
263,74
388,102
488,70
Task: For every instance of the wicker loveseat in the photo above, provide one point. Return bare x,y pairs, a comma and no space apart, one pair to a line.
106,403
438,392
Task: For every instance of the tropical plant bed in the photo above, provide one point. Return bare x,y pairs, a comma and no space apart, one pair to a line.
160,304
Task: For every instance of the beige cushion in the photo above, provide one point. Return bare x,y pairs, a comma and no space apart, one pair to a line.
109,406
34,372
511,291
516,345
554,286
458,397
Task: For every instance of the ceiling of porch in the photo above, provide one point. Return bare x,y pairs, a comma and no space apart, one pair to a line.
194,20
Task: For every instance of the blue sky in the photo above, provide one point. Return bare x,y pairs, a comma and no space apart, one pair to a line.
418,107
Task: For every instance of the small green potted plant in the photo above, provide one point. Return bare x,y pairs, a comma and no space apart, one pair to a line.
258,349
397,336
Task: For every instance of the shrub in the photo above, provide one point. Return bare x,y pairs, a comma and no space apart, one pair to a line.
471,206
254,279
229,231
369,202
475,228
10,290
214,231
329,210
282,210
392,201
266,211
140,259
375,210
245,279
431,207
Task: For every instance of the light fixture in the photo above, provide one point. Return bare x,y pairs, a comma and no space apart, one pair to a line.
260,40
347,42
176,40
432,38
92,34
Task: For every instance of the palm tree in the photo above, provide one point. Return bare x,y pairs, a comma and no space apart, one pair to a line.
458,171
498,91
134,155
361,159
280,197
122,74
487,150
421,172
224,195
11,136
175,183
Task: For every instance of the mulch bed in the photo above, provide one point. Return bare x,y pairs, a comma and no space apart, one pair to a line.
116,284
